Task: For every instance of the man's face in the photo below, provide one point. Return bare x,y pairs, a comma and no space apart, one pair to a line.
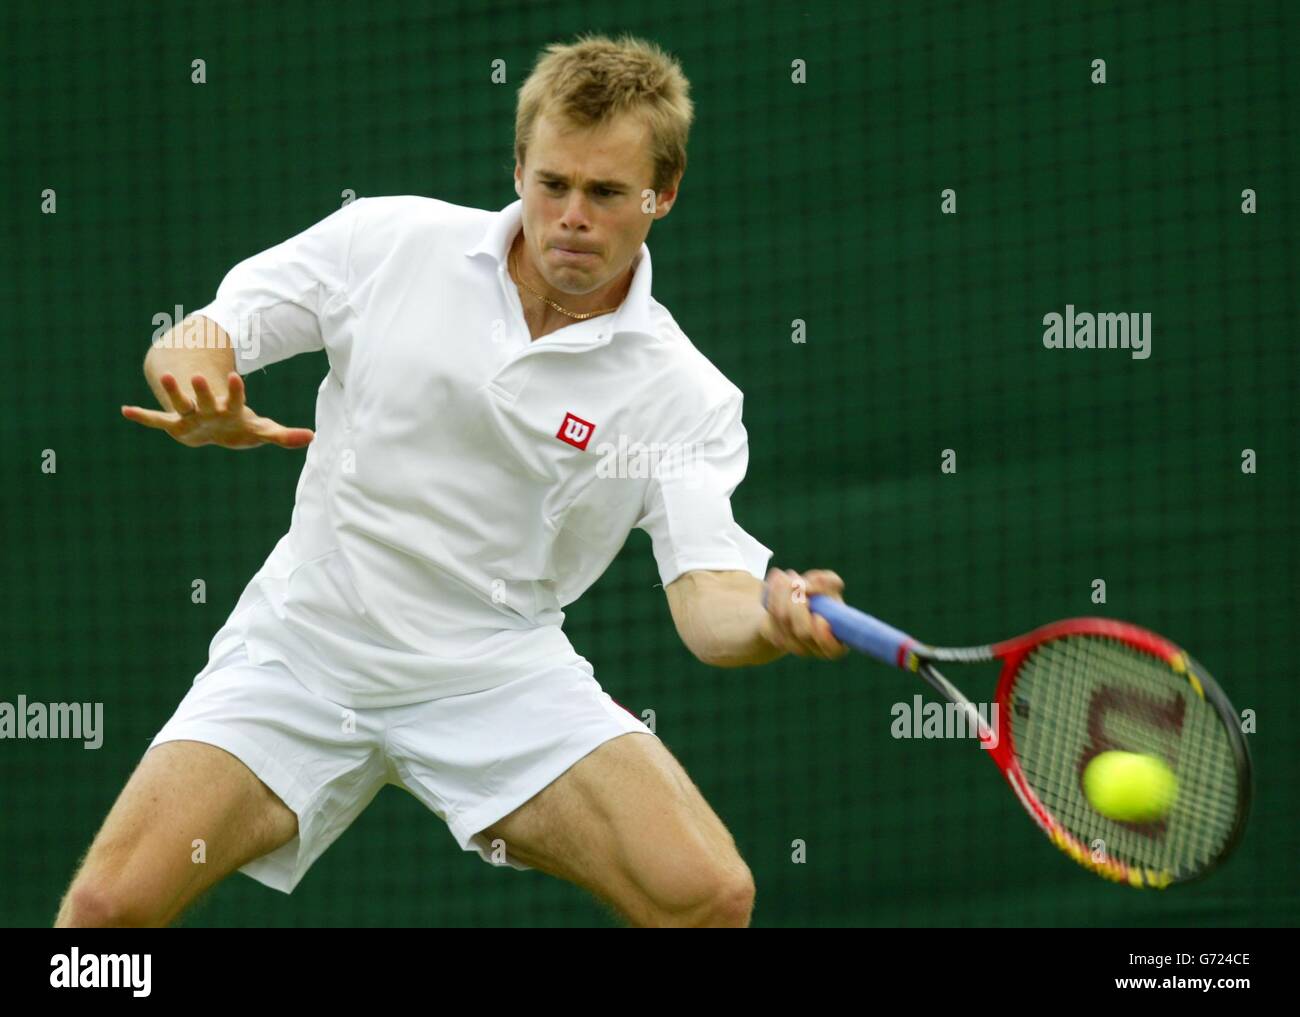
582,193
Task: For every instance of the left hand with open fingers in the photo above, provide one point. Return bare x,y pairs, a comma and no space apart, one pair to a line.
790,625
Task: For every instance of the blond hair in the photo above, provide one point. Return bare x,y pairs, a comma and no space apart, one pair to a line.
588,82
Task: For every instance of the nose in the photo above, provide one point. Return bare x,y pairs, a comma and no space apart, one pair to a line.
575,215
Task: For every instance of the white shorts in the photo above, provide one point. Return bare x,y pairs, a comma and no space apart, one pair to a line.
472,759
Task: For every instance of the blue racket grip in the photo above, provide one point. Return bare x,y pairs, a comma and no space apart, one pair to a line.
861,631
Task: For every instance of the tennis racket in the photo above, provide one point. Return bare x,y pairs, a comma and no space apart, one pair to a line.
1071,690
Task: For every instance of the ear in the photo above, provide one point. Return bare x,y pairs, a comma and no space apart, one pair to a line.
519,181
664,199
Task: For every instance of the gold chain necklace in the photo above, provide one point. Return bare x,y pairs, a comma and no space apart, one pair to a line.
572,314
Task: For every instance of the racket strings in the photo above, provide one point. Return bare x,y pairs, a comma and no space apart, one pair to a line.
1076,696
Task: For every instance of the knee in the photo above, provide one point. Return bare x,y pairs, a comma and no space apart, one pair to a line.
720,898
91,905
733,900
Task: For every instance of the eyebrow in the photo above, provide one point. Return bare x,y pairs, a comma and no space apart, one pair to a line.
561,178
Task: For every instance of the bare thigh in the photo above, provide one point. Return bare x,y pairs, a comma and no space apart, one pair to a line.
190,815
627,823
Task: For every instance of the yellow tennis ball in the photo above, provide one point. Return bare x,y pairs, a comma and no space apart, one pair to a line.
1129,786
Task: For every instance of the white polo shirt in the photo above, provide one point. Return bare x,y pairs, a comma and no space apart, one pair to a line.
467,482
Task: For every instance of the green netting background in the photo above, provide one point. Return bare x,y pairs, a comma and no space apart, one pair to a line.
819,202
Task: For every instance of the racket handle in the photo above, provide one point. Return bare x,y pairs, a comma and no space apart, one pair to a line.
861,631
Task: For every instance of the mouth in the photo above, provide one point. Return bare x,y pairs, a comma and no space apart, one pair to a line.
573,252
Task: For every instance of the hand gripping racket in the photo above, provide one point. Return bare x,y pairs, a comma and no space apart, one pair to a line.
1071,690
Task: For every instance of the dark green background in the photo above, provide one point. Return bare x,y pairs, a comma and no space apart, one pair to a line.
817,201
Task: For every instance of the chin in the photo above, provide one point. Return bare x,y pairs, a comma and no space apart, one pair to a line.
575,283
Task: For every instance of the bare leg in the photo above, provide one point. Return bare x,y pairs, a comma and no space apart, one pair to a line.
627,824
141,869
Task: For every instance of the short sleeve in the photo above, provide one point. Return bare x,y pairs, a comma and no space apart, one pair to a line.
271,304
687,510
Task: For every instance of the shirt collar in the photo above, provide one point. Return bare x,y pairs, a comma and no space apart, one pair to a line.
633,315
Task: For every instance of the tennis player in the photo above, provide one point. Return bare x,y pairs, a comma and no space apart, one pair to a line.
476,465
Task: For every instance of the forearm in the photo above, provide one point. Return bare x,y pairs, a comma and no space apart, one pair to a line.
196,346
721,618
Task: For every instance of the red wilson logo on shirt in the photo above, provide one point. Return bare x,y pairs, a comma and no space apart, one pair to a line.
576,431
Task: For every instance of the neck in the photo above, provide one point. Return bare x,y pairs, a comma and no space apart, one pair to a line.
541,317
